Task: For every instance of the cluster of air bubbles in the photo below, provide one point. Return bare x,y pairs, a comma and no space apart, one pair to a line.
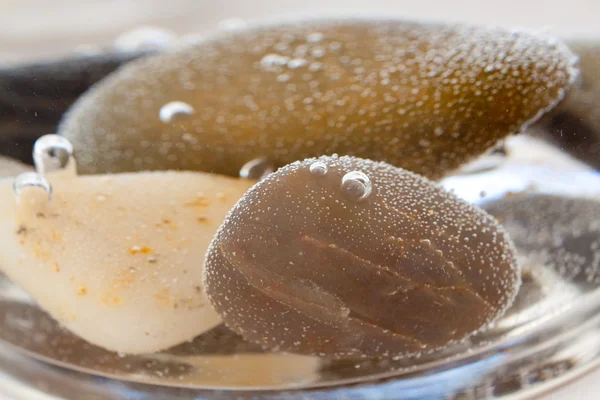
275,62
258,169
318,168
31,180
51,153
175,111
356,185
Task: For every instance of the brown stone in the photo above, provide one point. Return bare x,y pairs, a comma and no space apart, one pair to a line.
303,265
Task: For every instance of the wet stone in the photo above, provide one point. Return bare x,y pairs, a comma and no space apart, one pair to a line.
424,97
298,266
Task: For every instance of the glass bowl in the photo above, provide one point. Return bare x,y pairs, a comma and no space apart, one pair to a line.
549,336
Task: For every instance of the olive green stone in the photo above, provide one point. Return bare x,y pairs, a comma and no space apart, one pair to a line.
424,97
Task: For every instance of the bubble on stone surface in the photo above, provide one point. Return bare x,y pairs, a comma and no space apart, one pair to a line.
295,63
315,66
258,168
31,180
271,62
52,153
318,168
283,78
356,185
411,268
250,104
175,111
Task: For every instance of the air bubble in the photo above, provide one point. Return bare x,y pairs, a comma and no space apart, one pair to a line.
271,62
356,185
295,63
189,138
31,179
282,47
52,153
318,52
315,66
175,111
335,46
258,168
318,168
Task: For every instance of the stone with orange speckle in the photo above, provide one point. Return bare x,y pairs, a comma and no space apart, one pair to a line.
101,266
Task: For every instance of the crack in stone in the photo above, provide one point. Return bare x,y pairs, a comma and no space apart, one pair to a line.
412,285
308,298
403,336
341,251
302,295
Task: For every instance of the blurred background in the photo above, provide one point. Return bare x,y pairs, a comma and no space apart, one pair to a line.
36,28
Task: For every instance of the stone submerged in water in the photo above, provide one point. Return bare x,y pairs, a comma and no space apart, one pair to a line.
122,250
420,96
393,267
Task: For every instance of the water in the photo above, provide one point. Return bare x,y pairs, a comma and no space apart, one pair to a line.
387,106
219,355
